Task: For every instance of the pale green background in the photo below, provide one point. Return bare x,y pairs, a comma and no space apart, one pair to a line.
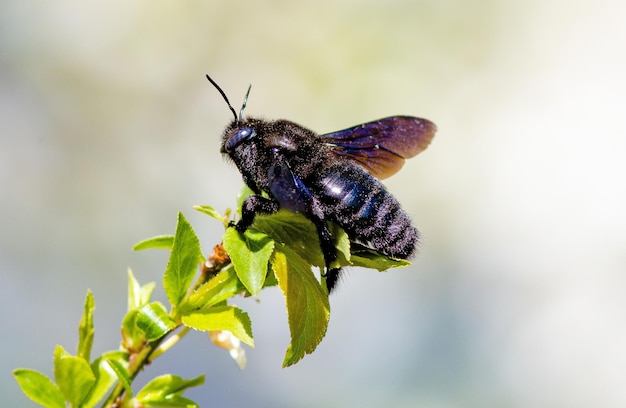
517,299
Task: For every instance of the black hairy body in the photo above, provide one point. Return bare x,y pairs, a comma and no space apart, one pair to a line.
329,178
341,191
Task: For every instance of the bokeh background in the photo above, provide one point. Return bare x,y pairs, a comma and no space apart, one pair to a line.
517,299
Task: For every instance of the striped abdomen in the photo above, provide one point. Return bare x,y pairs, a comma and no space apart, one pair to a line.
359,203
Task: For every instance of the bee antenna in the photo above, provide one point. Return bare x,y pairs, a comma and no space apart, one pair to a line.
226,98
245,101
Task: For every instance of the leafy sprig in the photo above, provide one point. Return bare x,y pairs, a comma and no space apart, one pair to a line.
278,250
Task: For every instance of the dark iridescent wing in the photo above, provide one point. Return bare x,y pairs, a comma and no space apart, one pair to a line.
381,146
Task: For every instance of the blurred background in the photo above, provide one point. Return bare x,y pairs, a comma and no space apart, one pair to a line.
517,299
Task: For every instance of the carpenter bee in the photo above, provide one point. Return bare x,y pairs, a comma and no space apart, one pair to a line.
330,177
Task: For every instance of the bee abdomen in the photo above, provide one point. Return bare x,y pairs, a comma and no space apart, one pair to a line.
385,227
370,214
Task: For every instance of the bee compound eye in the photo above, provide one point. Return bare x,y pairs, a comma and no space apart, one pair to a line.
245,132
240,136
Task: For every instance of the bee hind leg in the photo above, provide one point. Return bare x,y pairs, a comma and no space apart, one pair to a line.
328,250
332,277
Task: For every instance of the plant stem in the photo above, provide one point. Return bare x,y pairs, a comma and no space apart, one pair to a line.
152,350
136,364
169,343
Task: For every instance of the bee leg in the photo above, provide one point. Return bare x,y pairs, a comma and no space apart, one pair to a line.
294,195
328,248
332,277
253,205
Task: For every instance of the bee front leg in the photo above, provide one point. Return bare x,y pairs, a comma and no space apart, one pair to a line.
253,205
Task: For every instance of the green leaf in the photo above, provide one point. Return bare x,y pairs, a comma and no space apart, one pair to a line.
132,337
153,321
210,211
342,245
368,258
149,322
145,293
295,231
308,309
138,295
134,291
271,279
228,318
105,375
244,193
250,253
73,375
122,375
183,262
166,391
221,287
59,352
158,242
39,388
86,329
172,401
